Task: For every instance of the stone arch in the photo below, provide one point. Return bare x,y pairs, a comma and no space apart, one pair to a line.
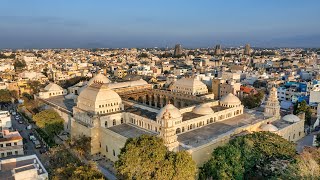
178,131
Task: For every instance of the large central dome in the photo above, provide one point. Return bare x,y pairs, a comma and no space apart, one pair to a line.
98,98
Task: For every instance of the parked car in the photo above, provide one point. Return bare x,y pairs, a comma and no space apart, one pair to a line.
37,144
20,122
32,137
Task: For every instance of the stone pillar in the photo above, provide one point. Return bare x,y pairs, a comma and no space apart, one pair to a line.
175,102
144,100
150,100
182,103
161,101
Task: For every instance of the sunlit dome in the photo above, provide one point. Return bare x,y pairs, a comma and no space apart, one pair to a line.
269,127
99,78
98,97
203,109
230,100
53,87
173,111
291,118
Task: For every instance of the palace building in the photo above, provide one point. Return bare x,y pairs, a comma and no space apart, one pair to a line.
185,121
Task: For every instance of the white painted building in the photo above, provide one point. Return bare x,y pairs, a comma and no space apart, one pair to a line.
25,167
5,120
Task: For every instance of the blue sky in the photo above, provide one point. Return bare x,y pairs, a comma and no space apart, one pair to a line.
150,23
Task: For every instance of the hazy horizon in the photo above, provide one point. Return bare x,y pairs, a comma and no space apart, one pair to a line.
146,24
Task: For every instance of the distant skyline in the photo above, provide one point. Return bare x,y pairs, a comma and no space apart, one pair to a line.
147,23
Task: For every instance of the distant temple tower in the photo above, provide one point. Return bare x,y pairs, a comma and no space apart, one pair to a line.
177,50
247,49
272,107
218,50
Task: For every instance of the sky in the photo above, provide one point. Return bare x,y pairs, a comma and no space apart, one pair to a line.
158,23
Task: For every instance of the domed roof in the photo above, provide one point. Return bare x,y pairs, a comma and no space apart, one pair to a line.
173,111
230,98
53,87
268,127
97,93
203,109
189,82
98,78
291,118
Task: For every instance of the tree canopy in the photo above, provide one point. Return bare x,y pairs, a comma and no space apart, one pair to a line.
63,165
253,100
146,157
50,121
303,107
19,64
5,96
248,156
81,144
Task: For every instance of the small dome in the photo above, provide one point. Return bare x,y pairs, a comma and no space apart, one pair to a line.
268,127
53,87
203,109
230,98
98,78
173,111
291,118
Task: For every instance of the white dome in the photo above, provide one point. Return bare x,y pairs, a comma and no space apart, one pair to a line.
203,109
98,96
268,127
173,111
230,98
291,118
53,87
98,78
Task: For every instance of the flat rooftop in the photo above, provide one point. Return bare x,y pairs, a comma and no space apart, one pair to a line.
129,131
18,164
205,134
141,112
190,115
61,101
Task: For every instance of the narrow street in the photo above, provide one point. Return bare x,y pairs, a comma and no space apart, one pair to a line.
29,147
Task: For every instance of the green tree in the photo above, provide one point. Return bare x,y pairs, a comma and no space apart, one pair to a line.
18,65
146,157
63,165
253,100
5,96
35,86
247,156
305,166
49,121
82,144
303,107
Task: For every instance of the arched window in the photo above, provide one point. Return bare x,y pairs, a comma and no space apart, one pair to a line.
114,122
182,129
178,131
106,148
121,120
106,124
114,153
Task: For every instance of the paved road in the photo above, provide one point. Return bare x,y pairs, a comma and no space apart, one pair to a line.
29,147
305,141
